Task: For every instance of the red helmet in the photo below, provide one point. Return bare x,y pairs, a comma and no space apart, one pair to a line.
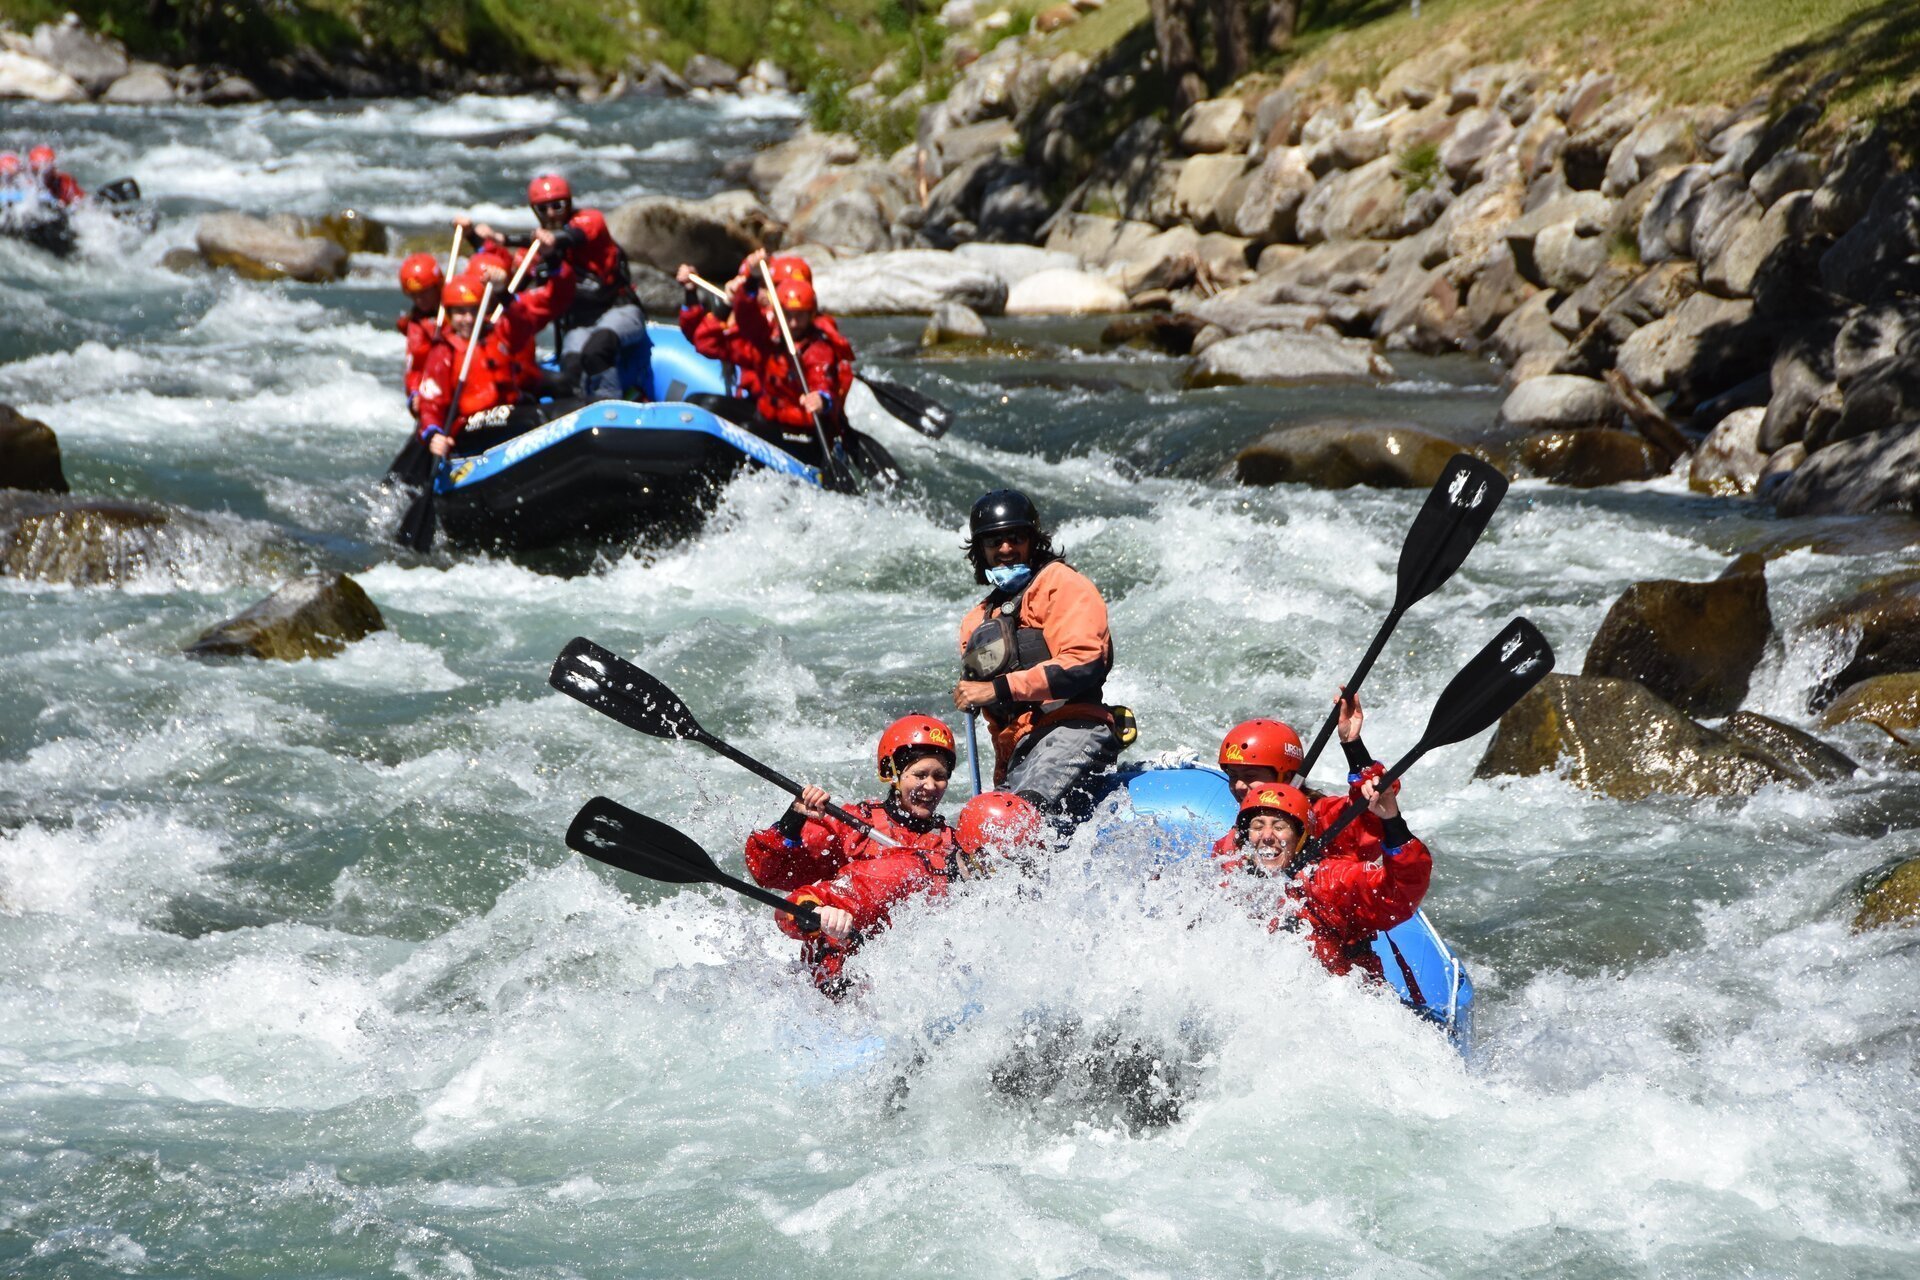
548,187
797,295
41,157
911,733
786,268
998,818
1262,742
9,164
419,273
464,290
1276,797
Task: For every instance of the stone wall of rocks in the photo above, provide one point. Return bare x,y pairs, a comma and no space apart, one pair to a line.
1661,280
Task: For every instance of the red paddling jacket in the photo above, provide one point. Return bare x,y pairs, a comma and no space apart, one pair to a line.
499,371
420,329
868,889
796,851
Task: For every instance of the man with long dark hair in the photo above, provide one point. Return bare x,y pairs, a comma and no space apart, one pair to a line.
1037,653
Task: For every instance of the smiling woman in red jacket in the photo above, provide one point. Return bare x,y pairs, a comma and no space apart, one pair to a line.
1343,899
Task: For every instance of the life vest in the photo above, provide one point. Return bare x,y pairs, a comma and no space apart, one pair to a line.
1000,646
496,376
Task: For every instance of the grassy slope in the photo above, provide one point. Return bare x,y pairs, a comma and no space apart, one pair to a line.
1686,50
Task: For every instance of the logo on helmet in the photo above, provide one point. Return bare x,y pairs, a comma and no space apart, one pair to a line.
1233,755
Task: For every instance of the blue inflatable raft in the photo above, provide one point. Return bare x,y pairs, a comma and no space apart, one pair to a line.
1190,808
614,466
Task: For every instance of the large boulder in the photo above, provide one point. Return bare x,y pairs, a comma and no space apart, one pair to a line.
1755,245
1015,262
84,541
1559,402
713,234
1890,898
1589,457
1728,462
1363,204
952,322
1617,738
1097,240
851,209
29,454
1651,296
91,61
1666,227
1694,644
1706,345
352,230
779,173
259,250
1587,212
1210,189
1891,702
1879,258
703,71
315,616
1273,358
146,85
1801,374
1478,134
1342,453
1064,292
1217,124
23,76
1877,628
1879,471
1270,201
908,282
1793,747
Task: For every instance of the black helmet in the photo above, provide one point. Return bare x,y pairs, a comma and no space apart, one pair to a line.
1002,509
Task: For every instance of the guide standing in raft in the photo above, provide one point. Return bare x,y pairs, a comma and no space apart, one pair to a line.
1037,653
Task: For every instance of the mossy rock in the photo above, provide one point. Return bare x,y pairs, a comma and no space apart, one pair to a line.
353,231
1618,739
29,454
311,617
1341,453
1694,644
1884,620
1892,702
1588,457
1890,898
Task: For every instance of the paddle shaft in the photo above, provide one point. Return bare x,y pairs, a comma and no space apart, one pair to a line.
1357,806
519,274
789,786
453,256
466,361
1352,687
973,748
807,917
828,464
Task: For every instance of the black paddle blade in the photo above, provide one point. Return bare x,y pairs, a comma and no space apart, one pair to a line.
1455,515
923,413
616,688
412,466
632,842
417,523
1499,676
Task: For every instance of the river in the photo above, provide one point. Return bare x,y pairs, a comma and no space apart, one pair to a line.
297,977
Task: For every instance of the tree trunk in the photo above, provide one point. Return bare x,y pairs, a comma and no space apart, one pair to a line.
1232,40
1173,22
1281,20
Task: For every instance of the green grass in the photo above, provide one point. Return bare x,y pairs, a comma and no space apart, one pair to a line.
1418,166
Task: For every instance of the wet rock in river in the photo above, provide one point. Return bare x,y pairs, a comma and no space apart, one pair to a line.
1890,898
1882,625
259,250
953,322
1170,331
311,617
353,231
713,234
1802,751
1274,358
1588,457
1729,461
908,282
1341,453
1695,644
1892,702
1559,402
29,454
80,541
1617,738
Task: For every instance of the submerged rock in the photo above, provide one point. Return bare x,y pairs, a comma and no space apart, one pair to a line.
1883,623
1342,453
312,617
79,541
1694,644
29,454
1620,740
260,250
1172,332
1891,702
1891,897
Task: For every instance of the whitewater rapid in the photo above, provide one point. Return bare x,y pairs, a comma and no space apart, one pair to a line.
297,977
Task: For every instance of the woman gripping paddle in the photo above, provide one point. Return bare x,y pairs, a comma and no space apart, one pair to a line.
915,759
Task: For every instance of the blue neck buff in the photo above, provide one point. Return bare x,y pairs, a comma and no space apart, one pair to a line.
1009,578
